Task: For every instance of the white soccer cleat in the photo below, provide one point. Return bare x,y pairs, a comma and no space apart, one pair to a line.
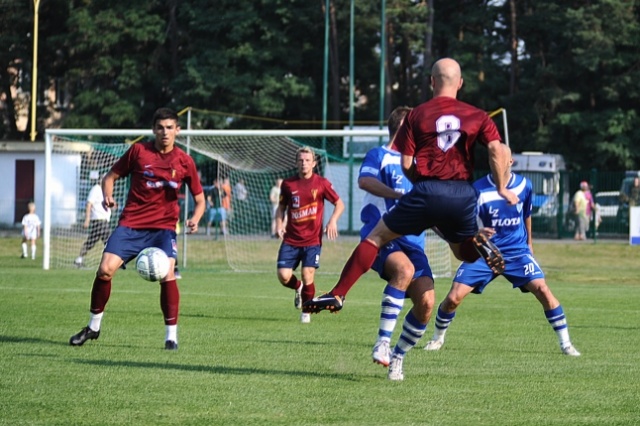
395,369
381,353
305,318
434,345
570,350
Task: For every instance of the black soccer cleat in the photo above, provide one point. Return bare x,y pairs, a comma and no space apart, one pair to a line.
489,252
325,302
84,335
170,345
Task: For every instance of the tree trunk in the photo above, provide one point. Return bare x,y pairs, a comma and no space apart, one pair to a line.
514,49
428,54
334,66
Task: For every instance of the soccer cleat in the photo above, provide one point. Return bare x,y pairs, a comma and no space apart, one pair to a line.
325,302
570,350
305,318
395,369
434,345
170,345
381,353
489,252
23,256
297,299
84,335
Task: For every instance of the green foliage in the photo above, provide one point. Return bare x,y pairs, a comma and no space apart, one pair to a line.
574,89
244,358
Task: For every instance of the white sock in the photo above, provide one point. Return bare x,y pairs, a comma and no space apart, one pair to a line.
33,251
24,249
95,321
172,333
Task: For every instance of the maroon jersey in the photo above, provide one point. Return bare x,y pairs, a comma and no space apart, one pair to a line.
304,200
441,134
156,179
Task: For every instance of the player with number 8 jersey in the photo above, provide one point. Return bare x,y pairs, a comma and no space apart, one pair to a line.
436,142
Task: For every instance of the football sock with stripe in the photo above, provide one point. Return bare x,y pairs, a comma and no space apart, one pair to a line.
412,331
392,302
443,320
558,322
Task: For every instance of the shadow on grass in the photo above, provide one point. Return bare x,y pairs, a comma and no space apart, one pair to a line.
15,339
216,369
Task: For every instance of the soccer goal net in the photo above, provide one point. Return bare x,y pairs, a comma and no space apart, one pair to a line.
244,166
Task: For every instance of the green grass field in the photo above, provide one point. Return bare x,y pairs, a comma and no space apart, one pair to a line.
244,358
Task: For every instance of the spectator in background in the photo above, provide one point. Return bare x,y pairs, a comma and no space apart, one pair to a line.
240,192
30,231
96,220
582,206
225,188
217,214
634,193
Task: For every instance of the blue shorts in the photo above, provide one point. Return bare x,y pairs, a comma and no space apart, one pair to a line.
519,271
291,256
217,214
127,243
450,205
415,254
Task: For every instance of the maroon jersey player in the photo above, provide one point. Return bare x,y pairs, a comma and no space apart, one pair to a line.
302,200
158,169
436,143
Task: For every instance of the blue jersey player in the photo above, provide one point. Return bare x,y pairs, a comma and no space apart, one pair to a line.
401,262
512,225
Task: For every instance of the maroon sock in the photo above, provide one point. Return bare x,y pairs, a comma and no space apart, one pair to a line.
100,293
360,261
293,283
468,251
308,291
170,301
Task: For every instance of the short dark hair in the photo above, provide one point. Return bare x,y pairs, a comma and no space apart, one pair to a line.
395,119
164,114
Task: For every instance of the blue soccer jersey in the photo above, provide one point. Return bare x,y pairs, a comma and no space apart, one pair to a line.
383,164
508,221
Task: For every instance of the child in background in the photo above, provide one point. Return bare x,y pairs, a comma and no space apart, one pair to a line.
30,231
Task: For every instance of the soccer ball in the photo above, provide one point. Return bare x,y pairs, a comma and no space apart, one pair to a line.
152,264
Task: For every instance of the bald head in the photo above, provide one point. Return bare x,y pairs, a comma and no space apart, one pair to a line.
446,77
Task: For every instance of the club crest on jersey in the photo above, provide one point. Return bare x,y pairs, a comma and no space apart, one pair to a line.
519,207
295,200
314,193
173,173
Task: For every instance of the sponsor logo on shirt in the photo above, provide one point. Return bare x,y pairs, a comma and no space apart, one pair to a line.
306,213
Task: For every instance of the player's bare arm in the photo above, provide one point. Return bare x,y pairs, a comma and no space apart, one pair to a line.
107,189
332,226
499,160
409,167
198,211
377,188
280,220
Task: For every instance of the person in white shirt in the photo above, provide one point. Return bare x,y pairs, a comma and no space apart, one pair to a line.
30,231
97,220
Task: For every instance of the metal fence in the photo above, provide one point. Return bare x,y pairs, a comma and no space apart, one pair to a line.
610,218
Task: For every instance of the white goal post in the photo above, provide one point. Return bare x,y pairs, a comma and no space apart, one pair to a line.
255,157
